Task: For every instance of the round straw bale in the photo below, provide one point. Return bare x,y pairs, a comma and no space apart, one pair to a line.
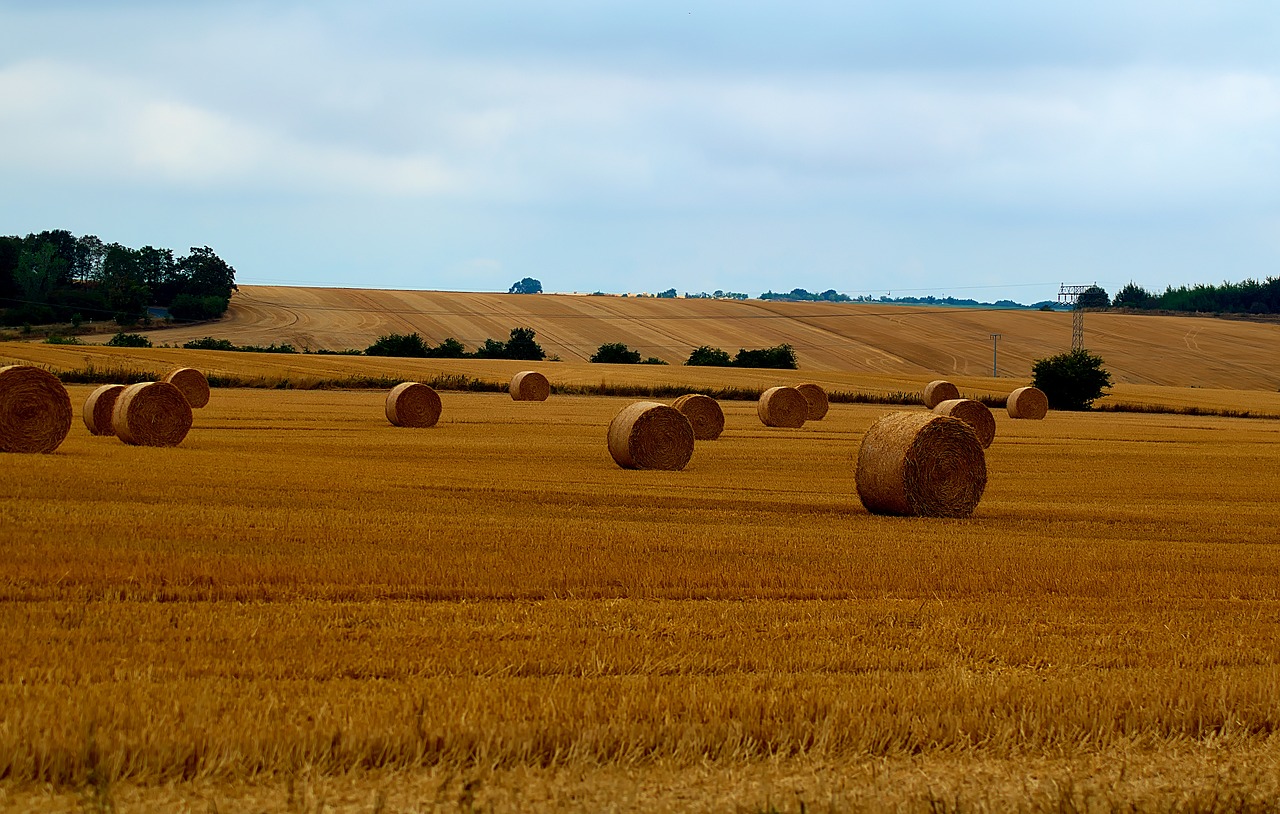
1028,402
921,464
704,414
783,407
530,385
975,414
35,410
99,407
410,404
649,435
817,398
191,383
938,391
151,414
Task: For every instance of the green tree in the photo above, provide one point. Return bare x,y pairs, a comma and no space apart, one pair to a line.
616,353
122,284
527,285
669,294
205,274
449,348
522,346
1134,296
124,340
38,271
1094,297
779,356
705,356
410,345
1071,380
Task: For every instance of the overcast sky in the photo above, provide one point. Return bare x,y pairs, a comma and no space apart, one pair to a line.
979,149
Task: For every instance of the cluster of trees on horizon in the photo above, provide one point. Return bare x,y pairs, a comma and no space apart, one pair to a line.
55,276
1247,297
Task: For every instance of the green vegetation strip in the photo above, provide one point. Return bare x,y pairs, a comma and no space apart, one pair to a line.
90,374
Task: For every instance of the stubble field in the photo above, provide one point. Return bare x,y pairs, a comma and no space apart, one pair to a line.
304,608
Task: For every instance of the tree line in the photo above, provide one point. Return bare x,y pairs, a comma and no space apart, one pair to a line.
55,276
1247,297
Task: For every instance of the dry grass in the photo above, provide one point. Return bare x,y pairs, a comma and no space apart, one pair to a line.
261,618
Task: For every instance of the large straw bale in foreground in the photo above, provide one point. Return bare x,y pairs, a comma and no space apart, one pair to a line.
100,407
975,414
704,414
921,464
938,391
530,385
151,414
191,383
411,404
783,407
817,398
35,410
1028,402
649,435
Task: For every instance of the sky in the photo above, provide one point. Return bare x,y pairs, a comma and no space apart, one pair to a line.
984,149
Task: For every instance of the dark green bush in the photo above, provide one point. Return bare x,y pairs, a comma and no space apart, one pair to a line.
616,353
124,340
1072,380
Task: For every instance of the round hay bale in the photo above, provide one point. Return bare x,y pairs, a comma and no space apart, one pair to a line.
530,385
649,435
35,410
192,384
1028,402
151,414
921,464
783,407
704,414
410,404
817,398
938,391
99,408
975,414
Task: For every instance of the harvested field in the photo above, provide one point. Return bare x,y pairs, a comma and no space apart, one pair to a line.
228,624
918,343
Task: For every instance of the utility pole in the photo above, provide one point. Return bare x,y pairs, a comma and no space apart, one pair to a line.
995,344
1070,295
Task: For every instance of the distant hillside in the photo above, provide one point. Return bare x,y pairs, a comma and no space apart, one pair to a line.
854,337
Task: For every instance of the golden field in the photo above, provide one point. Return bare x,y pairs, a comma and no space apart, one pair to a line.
302,608
875,339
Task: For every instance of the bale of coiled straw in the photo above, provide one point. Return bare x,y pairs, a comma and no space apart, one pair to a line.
704,414
100,407
921,464
649,435
975,414
783,407
530,385
938,391
411,404
191,383
35,410
151,414
817,398
1027,402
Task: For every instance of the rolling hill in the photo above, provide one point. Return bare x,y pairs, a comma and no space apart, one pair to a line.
857,338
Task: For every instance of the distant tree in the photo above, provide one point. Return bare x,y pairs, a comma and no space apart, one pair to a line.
705,356
669,294
1071,380
39,268
10,251
616,353
89,253
652,360
449,348
209,343
124,340
527,285
521,345
403,345
1134,296
780,356
204,274
1094,297
491,349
